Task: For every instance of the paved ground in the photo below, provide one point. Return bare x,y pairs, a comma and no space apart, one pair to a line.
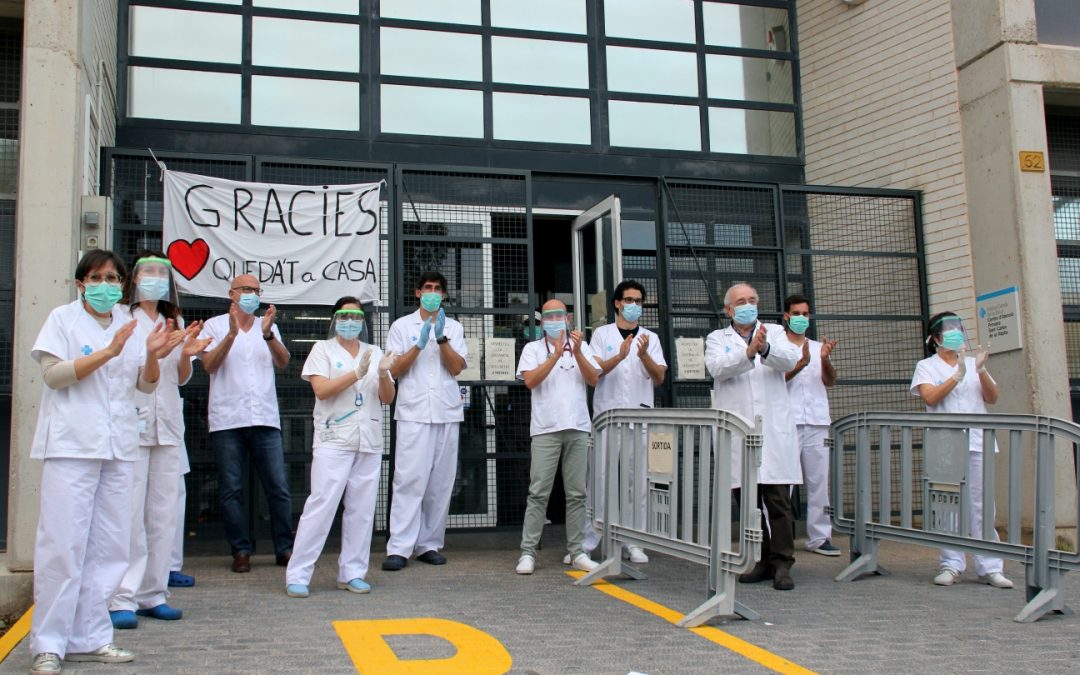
244,623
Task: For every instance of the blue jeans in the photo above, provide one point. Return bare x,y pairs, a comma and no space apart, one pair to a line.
264,444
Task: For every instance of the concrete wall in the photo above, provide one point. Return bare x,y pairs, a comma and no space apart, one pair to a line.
64,43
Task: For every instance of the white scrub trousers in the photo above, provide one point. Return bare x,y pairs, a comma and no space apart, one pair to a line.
425,466
153,529
336,472
955,560
815,469
81,552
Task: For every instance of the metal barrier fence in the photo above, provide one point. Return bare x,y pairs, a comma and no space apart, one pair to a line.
681,460
943,483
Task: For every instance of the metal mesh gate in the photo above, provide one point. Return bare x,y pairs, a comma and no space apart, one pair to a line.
1063,139
857,255
475,228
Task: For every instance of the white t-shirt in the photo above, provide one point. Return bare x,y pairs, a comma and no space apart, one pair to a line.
966,397
628,384
161,413
809,398
559,402
242,392
95,418
352,420
427,392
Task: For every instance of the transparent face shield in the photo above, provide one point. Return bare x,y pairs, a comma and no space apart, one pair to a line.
948,333
348,323
151,280
554,321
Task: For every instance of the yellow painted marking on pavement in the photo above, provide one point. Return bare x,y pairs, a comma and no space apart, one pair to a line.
478,653
711,633
16,633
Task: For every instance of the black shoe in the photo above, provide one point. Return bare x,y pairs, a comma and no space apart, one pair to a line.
241,562
782,580
393,563
282,559
761,572
432,558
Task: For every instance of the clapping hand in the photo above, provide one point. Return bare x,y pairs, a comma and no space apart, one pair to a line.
642,345
982,355
387,362
268,319
827,346
805,360
362,367
425,334
624,348
575,341
961,366
192,344
159,338
440,323
757,343
235,313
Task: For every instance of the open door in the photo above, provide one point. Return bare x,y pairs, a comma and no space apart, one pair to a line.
597,251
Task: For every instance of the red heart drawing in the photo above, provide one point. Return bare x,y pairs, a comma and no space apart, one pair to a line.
188,258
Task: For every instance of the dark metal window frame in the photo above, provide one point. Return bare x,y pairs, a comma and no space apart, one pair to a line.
369,23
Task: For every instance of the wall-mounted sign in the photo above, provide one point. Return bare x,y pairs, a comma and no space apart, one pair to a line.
471,371
998,315
690,358
499,362
1032,160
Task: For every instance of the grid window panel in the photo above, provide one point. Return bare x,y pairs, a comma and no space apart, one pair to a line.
757,132
652,71
864,285
660,20
434,54
183,95
184,35
654,125
441,11
564,64
557,16
351,7
286,102
309,45
432,111
732,25
10,65
544,119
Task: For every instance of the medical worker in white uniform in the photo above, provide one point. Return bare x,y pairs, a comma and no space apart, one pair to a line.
747,361
632,364
88,437
162,460
431,351
806,385
352,382
950,381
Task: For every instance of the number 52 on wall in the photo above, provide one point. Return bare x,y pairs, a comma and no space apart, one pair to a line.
1032,160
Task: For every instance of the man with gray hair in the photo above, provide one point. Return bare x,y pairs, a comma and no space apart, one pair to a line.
748,361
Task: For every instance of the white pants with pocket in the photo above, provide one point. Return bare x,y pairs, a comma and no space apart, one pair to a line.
81,552
336,472
815,471
425,466
955,560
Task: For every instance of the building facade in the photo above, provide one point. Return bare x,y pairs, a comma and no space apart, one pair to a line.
690,144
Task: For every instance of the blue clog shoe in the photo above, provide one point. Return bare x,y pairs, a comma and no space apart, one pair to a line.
357,585
162,612
296,590
181,580
123,619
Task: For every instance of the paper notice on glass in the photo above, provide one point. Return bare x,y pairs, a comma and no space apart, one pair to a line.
472,364
499,362
690,358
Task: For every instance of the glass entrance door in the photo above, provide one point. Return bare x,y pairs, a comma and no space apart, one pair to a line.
597,252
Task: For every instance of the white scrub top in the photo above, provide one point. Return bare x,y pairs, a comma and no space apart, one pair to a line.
628,384
352,420
95,418
966,397
809,398
427,392
559,403
751,387
161,413
242,392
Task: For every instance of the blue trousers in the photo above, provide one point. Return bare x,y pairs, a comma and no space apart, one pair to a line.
264,445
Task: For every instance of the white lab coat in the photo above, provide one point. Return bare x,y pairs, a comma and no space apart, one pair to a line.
756,387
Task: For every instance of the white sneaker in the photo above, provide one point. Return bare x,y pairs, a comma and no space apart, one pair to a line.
636,555
946,577
584,563
107,654
997,580
566,559
45,663
526,564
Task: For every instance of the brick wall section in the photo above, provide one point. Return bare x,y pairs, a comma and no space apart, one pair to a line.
881,110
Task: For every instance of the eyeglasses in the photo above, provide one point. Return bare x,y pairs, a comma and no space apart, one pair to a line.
110,278
247,289
632,301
